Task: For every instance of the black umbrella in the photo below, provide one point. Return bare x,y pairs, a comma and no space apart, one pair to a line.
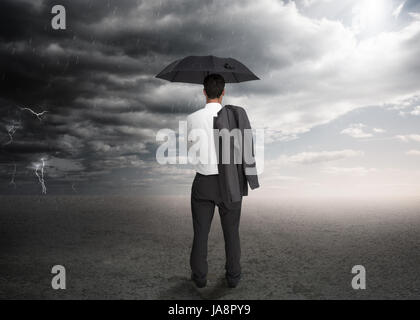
193,69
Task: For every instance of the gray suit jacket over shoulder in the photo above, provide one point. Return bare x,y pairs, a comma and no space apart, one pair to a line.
234,177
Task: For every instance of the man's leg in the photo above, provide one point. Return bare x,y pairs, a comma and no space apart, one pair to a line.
230,216
202,215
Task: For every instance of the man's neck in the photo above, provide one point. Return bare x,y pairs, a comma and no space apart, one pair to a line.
214,101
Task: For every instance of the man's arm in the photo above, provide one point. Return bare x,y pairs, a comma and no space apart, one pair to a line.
189,137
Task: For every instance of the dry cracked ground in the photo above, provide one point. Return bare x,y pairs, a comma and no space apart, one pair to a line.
127,247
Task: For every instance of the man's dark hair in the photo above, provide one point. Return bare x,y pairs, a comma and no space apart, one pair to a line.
214,84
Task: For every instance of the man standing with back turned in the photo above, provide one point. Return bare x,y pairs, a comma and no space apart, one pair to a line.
213,183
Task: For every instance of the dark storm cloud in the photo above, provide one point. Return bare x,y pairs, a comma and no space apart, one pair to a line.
119,38
95,78
85,77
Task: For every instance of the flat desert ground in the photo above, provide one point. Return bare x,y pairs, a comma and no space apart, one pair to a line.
137,247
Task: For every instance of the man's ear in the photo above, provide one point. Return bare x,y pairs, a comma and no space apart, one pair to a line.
204,91
223,92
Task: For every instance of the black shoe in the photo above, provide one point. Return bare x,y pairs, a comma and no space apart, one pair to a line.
232,281
232,284
199,283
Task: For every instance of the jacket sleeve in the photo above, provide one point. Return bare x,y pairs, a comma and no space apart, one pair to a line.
249,163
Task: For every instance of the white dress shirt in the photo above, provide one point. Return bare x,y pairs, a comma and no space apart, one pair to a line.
200,137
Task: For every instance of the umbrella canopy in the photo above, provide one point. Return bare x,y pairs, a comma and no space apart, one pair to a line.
193,69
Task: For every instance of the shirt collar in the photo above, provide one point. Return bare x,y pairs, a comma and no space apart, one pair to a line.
214,106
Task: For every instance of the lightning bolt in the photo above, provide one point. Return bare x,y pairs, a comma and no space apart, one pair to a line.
11,129
37,114
40,166
12,181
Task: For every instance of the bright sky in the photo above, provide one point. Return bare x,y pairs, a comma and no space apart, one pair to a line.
343,115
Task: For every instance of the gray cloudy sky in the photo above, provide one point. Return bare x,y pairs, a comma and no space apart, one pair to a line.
339,97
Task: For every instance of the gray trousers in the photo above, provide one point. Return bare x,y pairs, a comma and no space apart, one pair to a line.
205,196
